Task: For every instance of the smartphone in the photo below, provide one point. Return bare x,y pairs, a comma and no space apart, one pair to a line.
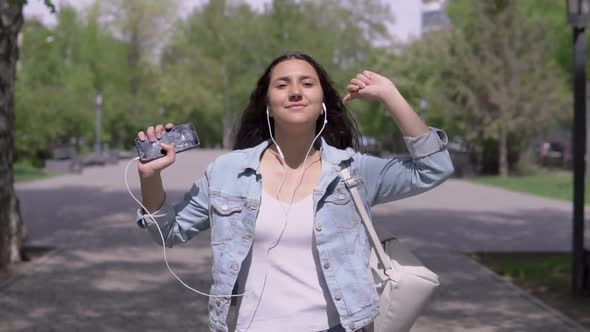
183,137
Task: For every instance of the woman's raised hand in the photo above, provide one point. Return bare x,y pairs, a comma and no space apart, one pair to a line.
369,86
154,167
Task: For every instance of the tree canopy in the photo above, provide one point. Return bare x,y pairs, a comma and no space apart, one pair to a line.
501,68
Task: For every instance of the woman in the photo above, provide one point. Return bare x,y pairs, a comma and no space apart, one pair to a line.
285,234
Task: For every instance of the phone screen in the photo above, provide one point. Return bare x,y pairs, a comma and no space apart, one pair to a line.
183,137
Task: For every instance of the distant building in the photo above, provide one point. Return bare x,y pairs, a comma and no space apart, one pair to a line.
434,15
415,17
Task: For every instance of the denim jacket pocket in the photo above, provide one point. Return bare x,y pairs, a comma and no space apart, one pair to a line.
341,208
225,213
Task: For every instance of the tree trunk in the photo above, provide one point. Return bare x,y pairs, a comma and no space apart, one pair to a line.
503,152
228,126
11,229
133,60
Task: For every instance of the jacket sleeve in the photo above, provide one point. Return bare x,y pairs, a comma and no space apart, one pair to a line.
427,166
181,222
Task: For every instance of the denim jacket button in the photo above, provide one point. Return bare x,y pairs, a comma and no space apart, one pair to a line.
235,267
318,227
341,196
326,265
247,237
224,207
338,296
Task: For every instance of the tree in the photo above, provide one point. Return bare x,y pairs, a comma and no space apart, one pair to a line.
504,83
56,84
11,225
414,68
144,26
61,70
200,69
223,46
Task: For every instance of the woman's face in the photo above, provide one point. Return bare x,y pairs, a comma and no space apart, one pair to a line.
295,94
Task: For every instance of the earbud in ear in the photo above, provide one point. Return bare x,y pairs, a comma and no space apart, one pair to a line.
268,112
325,112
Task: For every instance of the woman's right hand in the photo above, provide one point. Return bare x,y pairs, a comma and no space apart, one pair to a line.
154,167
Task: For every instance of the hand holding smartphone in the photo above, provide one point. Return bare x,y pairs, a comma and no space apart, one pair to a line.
183,137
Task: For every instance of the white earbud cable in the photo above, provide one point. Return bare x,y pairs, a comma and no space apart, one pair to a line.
285,213
164,242
303,168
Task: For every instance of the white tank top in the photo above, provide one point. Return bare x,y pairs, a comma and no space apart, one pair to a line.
295,296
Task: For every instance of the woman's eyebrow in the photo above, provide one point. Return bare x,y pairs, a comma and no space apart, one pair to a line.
300,78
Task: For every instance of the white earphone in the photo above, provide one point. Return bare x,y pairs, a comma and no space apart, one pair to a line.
325,113
151,216
285,213
268,116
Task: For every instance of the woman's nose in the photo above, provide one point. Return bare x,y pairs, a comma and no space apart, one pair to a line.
294,92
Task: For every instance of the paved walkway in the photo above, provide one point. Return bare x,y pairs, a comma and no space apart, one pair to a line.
105,274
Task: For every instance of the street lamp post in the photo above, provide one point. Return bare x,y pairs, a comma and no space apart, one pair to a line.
97,144
578,17
423,108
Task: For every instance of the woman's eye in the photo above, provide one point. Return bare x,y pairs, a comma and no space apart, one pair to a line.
280,86
308,84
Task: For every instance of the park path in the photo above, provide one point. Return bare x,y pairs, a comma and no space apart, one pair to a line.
105,274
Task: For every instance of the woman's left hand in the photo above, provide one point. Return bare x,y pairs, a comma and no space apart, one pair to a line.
369,86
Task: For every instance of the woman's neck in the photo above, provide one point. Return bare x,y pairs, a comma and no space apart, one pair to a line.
295,146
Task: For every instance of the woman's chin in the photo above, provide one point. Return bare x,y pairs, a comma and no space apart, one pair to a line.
297,123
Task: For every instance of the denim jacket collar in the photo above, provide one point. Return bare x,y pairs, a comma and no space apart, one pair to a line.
252,158
328,153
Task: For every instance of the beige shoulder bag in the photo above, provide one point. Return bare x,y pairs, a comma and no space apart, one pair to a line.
404,284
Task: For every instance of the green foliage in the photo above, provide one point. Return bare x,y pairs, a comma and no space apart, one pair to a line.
25,171
544,274
213,59
152,67
50,88
502,80
551,185
61,71
550,14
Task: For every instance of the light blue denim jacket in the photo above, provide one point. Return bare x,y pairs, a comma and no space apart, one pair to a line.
226,199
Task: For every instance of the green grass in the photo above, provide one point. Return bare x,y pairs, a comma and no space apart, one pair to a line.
546,276
24,171
550,271
551,185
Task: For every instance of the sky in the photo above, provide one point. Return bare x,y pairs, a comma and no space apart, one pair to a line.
406,25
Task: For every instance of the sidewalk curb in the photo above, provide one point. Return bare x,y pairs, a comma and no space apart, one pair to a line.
517,290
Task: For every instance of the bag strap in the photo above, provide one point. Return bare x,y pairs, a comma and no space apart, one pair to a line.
351,184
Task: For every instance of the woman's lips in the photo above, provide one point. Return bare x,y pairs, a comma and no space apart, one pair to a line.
296,106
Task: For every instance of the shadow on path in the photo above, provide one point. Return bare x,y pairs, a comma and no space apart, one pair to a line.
468,231
107,274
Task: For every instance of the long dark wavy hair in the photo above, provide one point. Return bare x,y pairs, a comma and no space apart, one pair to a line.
341,130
